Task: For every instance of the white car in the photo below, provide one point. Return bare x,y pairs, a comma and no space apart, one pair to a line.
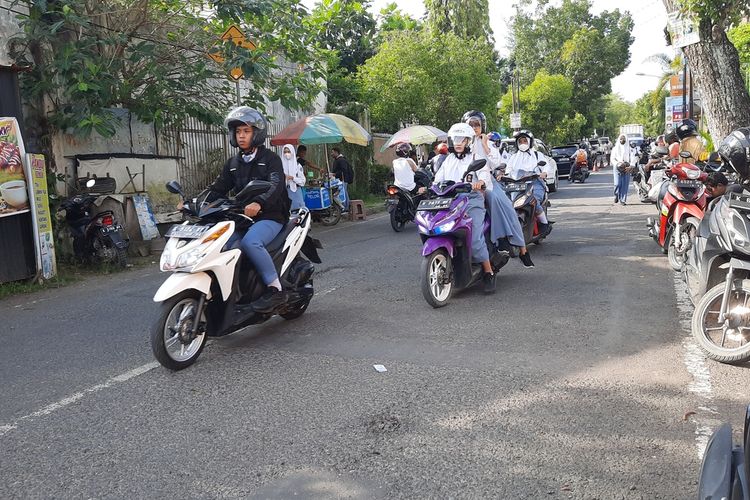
553,179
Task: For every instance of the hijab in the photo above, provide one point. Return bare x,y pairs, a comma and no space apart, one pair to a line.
291,167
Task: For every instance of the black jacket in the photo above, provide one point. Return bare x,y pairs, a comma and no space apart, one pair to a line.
343,170
266,166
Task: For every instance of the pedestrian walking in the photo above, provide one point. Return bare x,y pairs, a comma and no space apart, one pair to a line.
621,161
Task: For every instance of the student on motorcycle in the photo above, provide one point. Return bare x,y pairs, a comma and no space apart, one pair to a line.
453,169
404,168
526,160
270,210
505,228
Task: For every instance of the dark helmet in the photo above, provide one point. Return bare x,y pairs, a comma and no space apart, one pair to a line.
686,128
735,152
671,137
403,149
524,133
476,115
245,115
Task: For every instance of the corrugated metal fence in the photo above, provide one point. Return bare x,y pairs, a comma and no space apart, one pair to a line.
201,150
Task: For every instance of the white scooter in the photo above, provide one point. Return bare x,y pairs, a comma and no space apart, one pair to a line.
212,287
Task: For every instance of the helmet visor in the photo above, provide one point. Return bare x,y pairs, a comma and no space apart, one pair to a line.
459,139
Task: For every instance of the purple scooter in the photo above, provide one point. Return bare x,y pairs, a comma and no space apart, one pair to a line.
445,229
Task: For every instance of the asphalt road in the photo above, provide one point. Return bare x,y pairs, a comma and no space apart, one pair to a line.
573,381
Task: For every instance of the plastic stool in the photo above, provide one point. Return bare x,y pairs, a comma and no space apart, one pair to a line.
357,210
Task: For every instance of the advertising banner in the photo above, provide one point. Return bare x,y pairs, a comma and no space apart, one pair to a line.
14,192
43,219
683,31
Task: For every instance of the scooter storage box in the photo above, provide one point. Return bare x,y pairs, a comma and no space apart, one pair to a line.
317,198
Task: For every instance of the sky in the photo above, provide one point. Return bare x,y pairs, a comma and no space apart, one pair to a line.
649,15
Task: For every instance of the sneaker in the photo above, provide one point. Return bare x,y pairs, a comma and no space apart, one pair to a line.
270,300
488,281
623,203
526,260
617,198
544,230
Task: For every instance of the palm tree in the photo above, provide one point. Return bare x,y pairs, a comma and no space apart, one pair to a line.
670,67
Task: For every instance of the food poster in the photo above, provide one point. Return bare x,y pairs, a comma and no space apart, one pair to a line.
42,217
14,192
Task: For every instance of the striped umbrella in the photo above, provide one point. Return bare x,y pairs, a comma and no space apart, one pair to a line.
416,134
325,128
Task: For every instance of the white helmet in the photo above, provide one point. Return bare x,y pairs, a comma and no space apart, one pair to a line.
458,133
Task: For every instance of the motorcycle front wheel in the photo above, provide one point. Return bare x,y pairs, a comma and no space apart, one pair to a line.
396,224
717,340
172,340
437,284
676,259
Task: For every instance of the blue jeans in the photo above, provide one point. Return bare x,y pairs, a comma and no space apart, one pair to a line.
539,189
622,185
298,201
254,244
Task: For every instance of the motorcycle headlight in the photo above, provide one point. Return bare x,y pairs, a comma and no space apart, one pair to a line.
692,173
445,228
190,258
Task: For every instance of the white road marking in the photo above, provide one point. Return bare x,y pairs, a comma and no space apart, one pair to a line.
50,408
696,365
328,291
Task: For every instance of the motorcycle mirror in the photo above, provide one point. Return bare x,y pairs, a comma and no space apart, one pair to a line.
253,189
90,183
685,154
541,163
476,165
174,188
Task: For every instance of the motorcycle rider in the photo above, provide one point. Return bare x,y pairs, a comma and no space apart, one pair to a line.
404,168
687,132
580,159
526,160
270,210
505,228
453,169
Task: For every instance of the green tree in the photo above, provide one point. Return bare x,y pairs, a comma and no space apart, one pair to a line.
345,26
546,108
617,112
740,38
725,99
567,39
391,18
428,77
467,19
649,111
150,57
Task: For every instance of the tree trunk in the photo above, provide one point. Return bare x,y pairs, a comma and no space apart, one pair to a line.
715,65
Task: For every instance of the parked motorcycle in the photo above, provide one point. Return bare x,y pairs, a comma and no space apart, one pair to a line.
685,197
721,320
578,171
402,204
96,238
445,229
521,193
212,285
725,470
644,183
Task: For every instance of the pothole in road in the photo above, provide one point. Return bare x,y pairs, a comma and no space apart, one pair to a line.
384,423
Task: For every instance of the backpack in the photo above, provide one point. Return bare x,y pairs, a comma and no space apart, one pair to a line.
581,156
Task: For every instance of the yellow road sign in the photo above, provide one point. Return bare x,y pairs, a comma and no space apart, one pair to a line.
235,35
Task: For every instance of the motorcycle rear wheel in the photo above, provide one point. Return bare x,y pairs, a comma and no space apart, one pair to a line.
705,320
436,291
107,252
397,225
332,217
177,314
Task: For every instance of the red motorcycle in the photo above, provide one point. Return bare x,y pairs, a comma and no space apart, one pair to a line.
685,198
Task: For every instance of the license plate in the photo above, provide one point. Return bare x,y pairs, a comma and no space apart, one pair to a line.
111,229
187,231
435,204
515,186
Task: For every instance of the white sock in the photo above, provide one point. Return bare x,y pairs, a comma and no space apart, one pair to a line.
542,218
276,284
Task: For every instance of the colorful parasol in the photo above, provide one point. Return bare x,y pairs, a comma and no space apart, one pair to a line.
325,128
416,134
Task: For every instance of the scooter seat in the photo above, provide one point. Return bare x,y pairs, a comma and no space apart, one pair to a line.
278,242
